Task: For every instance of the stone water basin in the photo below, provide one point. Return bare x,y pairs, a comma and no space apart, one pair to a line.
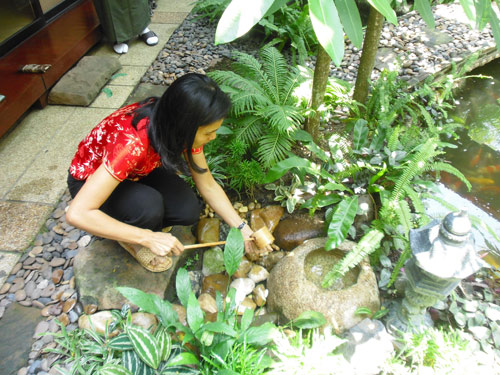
294,286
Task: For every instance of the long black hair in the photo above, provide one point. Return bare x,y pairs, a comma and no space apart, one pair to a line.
192,100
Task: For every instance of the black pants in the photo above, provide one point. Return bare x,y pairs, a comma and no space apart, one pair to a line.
158,200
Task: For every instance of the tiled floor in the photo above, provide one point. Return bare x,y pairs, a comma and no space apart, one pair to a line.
35,155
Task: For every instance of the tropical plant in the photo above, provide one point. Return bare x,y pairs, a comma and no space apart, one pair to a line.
264,112
330,19
438,351
134,351
313,353
210,9
291,26
214,341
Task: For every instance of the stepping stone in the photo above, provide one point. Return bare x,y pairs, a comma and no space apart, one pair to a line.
16,330
82,84
104,265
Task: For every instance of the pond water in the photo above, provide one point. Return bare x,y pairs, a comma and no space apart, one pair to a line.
478,153
319,262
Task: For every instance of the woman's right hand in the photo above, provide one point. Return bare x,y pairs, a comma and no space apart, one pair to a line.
164,244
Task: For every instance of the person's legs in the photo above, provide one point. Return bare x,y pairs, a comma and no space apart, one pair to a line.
131,202
181,205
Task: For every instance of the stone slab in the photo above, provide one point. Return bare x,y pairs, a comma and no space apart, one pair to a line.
83,83
20,147
19,223
16,330
105,265
44,181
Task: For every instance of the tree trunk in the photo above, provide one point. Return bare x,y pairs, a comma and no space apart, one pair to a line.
368,55
320,80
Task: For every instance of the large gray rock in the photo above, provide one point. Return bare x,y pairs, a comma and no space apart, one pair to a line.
294,286
82,84
104,265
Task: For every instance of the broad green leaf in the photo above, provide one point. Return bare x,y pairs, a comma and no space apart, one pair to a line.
220,327
111,369
143,300
183,286
233,251
424,8
482,13
167,315
259,335
277,4
470,11
384,8
360,137
120,342
246,319
194,313
239,17
278,170
495,27
328,28
309,320
341,221
184,358
351,20
145,345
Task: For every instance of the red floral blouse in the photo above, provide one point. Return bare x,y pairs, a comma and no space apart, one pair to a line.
124,150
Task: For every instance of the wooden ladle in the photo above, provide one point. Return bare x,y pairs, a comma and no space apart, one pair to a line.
262,238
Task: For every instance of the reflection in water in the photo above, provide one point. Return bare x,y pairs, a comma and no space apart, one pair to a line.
478,153
319,262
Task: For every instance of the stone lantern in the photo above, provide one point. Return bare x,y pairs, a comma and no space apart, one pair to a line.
443,255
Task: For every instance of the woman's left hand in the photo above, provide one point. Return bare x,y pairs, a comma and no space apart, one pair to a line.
251,249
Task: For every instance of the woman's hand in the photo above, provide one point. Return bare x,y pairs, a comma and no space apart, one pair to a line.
163,244
251,249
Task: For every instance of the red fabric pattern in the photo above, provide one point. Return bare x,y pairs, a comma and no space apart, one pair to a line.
125,151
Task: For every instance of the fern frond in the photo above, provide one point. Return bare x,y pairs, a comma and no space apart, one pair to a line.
405,255
403,212
282,118
414,167
273,148
248,129
368,244
275,68
440,166
393,140
249,67
292,80
416,202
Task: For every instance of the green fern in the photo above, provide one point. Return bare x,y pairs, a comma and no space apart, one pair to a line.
264,112
368,244
440,166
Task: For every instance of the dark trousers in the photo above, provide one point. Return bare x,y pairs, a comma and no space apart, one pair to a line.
158,200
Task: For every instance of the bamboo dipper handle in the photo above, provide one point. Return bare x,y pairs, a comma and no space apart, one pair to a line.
262,238
209,244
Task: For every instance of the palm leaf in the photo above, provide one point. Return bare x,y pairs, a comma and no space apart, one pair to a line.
275,67
248,129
